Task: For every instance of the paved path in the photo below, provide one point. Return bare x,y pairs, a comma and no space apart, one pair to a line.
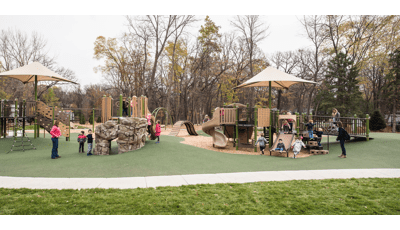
160,181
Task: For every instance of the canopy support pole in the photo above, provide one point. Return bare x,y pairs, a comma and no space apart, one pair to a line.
35,125
270,118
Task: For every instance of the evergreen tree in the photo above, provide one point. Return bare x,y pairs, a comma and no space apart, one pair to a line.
82,120
50,98
393,84
91,119
377,122
98,120
341,88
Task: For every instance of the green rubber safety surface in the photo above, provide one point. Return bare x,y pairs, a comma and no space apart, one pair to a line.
170,157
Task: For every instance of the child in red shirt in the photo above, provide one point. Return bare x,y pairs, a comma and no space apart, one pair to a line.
82,140
158,132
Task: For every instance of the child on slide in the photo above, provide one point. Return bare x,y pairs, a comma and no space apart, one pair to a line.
297,146
285,126
280,147
263,142
158,132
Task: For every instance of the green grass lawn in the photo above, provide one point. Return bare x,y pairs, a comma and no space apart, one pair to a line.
172,158
311,197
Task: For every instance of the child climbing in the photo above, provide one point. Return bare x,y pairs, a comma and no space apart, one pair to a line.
310,126
158,132
319,135
297,146
81,140
280,147
263,142
89,142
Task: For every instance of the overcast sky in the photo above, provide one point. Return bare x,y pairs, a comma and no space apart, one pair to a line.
71,38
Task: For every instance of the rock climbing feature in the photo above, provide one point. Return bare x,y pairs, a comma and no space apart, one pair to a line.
131,134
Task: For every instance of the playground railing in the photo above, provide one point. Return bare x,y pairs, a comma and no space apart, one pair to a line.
246,115
227,116
30,108
353,125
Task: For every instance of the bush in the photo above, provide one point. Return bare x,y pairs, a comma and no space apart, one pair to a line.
377,122
98,120
82,120
91,119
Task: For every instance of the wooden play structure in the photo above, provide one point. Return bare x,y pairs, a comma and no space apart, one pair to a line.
112,109
135,107
14,118
239,124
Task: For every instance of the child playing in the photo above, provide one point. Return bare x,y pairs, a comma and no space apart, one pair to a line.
89,142
280,146
158,132
297,146
310,126
263,142
285,126
148,122
81,140
319,135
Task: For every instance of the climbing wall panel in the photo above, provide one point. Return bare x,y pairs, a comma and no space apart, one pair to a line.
263,117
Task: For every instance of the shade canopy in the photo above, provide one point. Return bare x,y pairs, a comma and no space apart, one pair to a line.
277,78
27,74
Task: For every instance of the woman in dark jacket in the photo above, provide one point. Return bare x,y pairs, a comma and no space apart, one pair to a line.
341,138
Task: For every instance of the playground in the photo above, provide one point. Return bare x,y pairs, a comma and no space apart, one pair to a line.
130,141
124,130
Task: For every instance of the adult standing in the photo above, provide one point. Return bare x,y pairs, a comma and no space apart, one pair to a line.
341,137
55,134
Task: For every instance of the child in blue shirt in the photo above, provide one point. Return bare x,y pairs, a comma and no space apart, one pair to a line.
310,126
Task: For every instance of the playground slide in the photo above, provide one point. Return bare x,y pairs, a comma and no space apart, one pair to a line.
177,127
287,140
219,139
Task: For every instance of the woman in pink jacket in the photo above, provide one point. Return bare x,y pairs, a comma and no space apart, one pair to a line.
158,132
55,134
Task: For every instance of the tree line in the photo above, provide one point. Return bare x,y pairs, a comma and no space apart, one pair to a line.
353,59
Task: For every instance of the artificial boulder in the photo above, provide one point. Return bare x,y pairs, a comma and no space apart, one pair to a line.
131,134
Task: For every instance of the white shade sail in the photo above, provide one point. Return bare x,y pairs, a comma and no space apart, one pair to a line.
277,78
27,74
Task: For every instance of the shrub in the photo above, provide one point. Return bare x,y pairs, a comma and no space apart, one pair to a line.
91,119
377,122
98,120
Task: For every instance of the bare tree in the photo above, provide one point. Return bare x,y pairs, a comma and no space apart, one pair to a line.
253,30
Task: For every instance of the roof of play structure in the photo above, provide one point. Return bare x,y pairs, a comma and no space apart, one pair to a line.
277,78
27,74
